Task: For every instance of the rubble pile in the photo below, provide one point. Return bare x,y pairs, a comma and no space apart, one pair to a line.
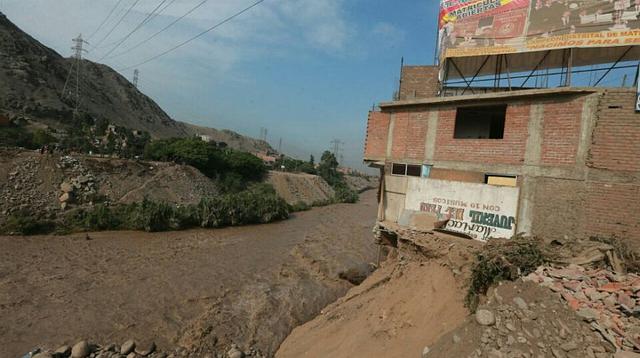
609,302
24,190
524,320
81,187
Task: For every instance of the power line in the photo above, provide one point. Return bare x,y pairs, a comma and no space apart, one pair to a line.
159,32
198,35
146,19
162,10
105,20
151,19
118,23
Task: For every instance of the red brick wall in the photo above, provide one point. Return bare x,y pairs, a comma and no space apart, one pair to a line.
509,150
377,133
614,209
616,138
418,82
409,134
561,132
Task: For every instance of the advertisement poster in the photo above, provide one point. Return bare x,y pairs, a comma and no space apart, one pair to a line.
487,27
480,211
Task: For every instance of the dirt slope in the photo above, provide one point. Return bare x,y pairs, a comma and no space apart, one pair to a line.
202,288
33,181
361,183
406,305
300,187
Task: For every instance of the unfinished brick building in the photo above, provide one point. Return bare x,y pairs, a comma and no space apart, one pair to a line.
558,162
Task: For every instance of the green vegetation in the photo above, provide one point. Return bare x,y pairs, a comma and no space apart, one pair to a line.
234,170
296,166
18,136
256,205
328,170
501,260
23,222
300,206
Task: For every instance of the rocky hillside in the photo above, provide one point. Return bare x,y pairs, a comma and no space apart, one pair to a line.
47,184
32,78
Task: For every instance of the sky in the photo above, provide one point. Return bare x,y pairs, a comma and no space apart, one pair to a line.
307,70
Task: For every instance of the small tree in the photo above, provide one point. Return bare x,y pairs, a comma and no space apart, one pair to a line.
328,168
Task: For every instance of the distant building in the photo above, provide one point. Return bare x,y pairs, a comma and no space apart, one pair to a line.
267,158
205,138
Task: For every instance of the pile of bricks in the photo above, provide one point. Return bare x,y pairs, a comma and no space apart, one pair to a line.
609,302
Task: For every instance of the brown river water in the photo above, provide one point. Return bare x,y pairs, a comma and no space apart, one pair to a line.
201,289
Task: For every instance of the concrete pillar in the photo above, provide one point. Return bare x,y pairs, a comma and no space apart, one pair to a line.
430,141
532,155
392,124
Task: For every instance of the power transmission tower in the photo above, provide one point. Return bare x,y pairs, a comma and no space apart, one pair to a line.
136,75
78,49
336,145
263,134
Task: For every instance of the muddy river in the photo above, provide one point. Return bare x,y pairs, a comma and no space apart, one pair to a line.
200,289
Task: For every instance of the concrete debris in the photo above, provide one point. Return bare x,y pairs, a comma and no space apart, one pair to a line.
485,317
609,301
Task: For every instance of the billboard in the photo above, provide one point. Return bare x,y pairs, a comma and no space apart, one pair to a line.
490,27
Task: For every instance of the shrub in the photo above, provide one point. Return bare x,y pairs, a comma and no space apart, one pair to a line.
344,194
24,223
151,216
501,260
42,137
16,136
259,204
100,217
299,206
246,165
234,169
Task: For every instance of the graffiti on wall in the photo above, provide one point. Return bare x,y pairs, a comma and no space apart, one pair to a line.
478,210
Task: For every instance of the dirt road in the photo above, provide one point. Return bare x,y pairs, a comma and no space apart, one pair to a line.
202,289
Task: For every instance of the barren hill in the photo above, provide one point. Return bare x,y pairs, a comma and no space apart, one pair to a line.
33,76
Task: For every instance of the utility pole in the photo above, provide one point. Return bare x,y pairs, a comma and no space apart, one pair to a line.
78,49
280,146
136,75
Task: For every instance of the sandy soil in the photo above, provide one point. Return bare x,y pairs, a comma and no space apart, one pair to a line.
203,289
300,187
408,304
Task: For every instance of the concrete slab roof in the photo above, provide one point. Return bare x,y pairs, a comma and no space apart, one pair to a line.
511,95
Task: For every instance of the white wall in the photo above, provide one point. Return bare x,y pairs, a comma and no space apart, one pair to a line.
478,210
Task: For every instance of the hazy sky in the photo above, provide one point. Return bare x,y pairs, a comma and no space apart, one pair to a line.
308,70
